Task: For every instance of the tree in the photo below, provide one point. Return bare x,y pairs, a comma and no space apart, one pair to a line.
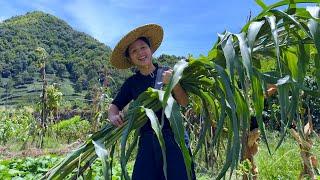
27,77
169,60
42,58
8,86
18,80
54,100
61,70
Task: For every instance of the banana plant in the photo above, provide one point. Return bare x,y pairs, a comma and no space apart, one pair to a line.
231,87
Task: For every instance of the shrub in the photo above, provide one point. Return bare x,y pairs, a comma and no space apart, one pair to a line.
72,129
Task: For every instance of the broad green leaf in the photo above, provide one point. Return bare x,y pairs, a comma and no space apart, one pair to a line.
205,116
245,54
261,4
243,114
177,74
222,117
133,144
272,23
111,159
157,129
229,54
258,103
314,26
317,66
253,30
103,155
231,111
176,123
124,139
292,61
229,157
292,5
284,2
315,31
304,56
283,96
291,19
284,80
303,13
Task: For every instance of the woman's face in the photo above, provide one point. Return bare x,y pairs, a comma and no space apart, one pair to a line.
140,53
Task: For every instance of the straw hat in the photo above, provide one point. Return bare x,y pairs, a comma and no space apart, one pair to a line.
153,32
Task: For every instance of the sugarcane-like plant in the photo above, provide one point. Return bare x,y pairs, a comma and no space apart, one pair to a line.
231,88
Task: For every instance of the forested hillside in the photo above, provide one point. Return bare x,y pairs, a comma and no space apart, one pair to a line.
74,59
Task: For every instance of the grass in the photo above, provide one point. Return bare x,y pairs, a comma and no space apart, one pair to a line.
285,163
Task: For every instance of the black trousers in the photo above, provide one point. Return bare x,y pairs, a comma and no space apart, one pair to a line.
149,161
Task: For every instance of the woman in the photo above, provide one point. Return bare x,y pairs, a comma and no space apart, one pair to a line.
136,49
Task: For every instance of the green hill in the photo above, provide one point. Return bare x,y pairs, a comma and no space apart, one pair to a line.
75,60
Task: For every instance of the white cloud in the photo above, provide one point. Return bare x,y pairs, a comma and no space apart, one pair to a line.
2,18
102,21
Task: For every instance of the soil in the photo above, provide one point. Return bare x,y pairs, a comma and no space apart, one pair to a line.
6,153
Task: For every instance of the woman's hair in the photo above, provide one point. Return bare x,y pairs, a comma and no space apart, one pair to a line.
146,40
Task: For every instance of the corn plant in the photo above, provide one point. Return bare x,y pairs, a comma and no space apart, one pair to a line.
230,85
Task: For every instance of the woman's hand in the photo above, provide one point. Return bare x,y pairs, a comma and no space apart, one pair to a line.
115,116
166,76
116,120
178,92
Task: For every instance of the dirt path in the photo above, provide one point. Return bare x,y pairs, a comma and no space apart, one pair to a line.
6,153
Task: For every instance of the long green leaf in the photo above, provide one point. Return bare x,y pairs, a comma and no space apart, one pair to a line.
261,4
229,54
258,103
177,74
272,23
157,129
285,2
253,31
315,31
103,155
176,123
291,18
125,135
245,54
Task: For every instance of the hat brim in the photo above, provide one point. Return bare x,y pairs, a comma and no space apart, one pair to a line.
153,32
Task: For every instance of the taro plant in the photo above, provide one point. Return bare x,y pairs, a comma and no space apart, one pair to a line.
229,87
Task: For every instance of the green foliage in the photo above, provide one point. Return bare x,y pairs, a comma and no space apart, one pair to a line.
26,168
54,97
245,168
72,129
168,60
36,167
16,125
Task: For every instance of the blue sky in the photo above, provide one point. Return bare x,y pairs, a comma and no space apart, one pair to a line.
190,26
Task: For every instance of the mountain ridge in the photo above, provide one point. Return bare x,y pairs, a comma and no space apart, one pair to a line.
72,55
